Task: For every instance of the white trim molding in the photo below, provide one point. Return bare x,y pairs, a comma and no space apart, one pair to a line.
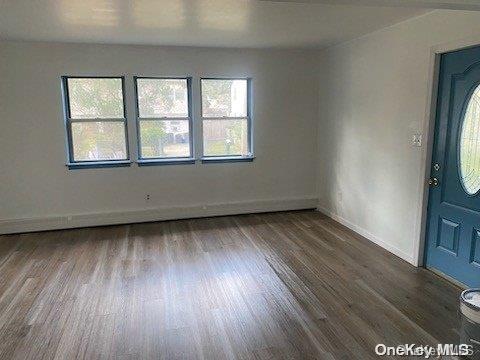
369,236
12,226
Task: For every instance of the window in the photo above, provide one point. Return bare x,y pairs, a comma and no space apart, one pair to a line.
470,145
226,119
95,120
164,119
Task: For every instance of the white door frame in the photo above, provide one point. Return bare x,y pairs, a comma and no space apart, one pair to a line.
428,130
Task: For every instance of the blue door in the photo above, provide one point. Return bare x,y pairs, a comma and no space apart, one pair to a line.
453,228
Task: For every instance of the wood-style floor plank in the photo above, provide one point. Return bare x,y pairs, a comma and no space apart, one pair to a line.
290,285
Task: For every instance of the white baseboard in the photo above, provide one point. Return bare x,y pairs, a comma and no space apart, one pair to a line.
12,226
366,234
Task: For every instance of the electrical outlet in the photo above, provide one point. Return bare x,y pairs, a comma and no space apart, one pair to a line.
147,197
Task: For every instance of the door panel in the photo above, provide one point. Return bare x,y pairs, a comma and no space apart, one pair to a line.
448,236
454,208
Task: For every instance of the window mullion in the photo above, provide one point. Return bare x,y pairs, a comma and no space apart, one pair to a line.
226,118
164,118
94,120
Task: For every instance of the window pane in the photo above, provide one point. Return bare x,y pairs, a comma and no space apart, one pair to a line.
162,98
225,137
98,141
164,138
470,145
224,98
95,98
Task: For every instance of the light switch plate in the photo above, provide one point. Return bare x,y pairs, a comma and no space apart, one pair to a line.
417,140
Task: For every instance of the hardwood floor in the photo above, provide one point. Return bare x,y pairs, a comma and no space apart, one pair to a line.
293,285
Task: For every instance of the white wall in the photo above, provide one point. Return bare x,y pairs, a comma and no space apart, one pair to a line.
374,94
36,186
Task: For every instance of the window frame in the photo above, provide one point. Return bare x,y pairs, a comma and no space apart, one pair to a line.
143,161
248,117
68,120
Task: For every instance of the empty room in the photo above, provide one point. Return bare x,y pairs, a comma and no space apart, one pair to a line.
239,179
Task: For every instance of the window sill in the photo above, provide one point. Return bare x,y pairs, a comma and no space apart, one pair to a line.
174,161
227,159
98,164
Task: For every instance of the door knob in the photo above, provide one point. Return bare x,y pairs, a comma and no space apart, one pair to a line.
433,182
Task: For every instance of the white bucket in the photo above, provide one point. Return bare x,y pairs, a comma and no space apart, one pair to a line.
470,315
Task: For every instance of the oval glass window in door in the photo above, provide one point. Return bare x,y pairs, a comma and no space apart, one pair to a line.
470,145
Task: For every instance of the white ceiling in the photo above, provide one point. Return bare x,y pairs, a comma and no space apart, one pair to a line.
471,5
222,23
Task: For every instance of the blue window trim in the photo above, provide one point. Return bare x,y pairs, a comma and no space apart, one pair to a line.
71,163
231,158
153,161
98,164
165,161
226,159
